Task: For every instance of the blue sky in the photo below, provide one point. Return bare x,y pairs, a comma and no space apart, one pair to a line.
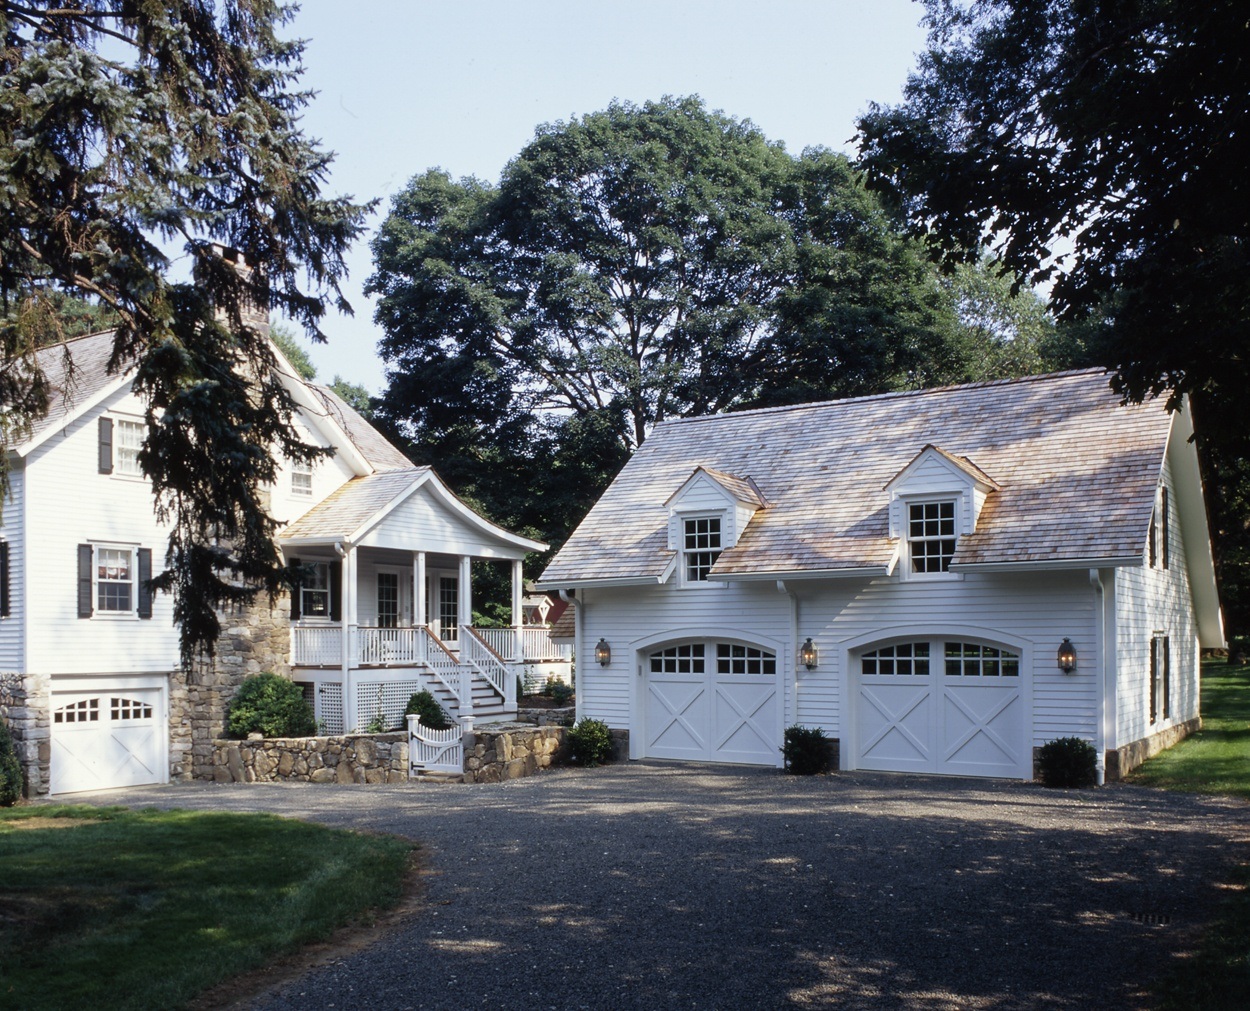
406,85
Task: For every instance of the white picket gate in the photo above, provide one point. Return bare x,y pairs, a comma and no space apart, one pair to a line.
431,750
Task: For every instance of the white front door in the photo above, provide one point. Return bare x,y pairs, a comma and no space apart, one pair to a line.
712,702
107,738
945,706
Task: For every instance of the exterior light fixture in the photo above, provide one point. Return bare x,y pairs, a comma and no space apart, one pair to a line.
1067,656
603,652
807,654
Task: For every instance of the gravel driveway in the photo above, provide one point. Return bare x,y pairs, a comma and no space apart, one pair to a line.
676,886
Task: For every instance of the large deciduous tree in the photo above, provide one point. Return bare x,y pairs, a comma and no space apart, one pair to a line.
635,264
1100,146
128,127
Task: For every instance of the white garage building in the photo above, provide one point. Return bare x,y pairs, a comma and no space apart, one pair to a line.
942,580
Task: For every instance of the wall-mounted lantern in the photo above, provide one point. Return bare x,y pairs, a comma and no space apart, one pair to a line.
603,652
807,654
1067,656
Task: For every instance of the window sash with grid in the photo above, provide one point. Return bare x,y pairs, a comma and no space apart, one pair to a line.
701,546
732,658
907,659
931,535
127,441
114,580
688,658
315,592
301,477
971,659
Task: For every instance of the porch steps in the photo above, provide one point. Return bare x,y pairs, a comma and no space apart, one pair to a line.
486,701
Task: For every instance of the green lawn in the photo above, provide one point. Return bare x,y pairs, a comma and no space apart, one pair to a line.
145,909
1215,760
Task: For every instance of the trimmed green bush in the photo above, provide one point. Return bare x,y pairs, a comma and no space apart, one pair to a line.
270,705
559,691
425,705
1068,761
806,751
590,742
10,769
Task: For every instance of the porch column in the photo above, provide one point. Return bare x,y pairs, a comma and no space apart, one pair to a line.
418,588
465,594
349,639
518,584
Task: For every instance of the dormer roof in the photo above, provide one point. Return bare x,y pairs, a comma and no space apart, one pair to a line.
741,489
960,464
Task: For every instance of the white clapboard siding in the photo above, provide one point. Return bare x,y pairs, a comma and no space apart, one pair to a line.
422,519
12,527
1150,600
625,615
71,503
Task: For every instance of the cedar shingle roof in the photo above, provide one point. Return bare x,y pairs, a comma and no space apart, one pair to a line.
1076,475
351,505
70,390
371,443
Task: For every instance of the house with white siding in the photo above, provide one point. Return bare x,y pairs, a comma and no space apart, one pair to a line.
89,659
942,580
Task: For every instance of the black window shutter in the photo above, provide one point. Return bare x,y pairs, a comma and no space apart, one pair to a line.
295,594
106,445
336,591
145,577
1154,679
1165,533
84,581
1167,678
4,579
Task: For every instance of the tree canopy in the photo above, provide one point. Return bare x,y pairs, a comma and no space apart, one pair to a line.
1101,147
128,127
635,264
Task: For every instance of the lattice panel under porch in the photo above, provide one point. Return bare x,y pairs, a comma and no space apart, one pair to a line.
329,708
390,698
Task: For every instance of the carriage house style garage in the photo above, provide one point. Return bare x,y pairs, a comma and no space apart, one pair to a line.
942,580
89,676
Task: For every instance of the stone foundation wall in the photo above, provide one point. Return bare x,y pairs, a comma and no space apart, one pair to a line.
352,758
546,717
255,639
1122,761
24,704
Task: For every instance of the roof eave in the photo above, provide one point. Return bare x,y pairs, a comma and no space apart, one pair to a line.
79,410
565,584
1042,565
857,572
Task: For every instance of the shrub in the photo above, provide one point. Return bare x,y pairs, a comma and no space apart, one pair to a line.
558,690
270,705
425,705
1068,761
10,769
590,741
806,751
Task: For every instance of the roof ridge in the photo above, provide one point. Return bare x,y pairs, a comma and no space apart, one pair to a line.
892,395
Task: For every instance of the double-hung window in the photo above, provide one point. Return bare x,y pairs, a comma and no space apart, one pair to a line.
301,477
1160,678
701,546
128,440
114,581
315,591
931,535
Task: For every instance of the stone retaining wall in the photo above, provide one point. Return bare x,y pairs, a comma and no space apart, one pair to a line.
351,758
24,703
512,750
562,717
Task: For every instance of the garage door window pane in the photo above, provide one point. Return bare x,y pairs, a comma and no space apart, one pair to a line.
129,709
970,659
905,658
685,659
86,711
734,659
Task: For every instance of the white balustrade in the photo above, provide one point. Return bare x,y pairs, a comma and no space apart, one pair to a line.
316,645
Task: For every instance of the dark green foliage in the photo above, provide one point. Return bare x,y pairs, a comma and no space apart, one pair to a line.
10,769
130,127
806,750
1067,762
559,691
288,344
636,264
1238,649
1101,147
590,742
423,704
270,705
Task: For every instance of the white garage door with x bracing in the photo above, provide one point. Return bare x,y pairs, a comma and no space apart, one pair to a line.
945,706
103,739
712,702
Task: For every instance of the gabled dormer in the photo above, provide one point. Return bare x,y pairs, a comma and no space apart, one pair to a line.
706,516
934,500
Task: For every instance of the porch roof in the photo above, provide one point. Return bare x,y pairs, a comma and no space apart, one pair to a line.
358,511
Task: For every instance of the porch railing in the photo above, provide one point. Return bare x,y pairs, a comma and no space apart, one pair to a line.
387,645
477,652
316,645
535,642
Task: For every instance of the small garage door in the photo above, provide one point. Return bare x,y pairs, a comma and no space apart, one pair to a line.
945,706
104,739
712,702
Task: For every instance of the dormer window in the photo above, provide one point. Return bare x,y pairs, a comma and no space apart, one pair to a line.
931,535
701,546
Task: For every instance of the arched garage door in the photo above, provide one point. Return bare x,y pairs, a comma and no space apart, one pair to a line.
712,701
939,705
105,738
